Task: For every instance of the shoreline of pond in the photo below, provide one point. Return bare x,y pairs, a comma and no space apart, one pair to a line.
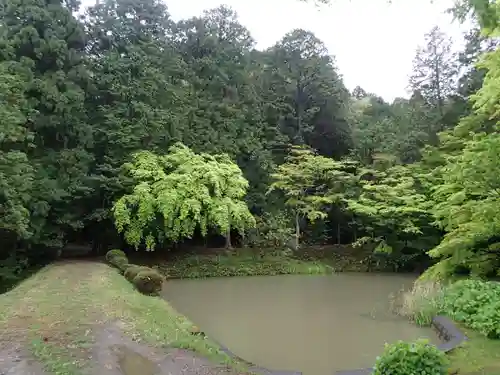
452,337
299,299
232,263
251,262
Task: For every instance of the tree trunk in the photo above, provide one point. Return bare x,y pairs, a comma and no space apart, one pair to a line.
297,231
338,233
228,238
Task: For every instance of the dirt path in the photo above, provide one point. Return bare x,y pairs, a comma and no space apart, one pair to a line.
82,318
115,354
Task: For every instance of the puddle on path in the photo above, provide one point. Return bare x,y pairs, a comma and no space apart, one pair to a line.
133,363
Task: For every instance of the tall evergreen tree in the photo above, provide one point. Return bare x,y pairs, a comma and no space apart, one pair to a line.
434,69
44,38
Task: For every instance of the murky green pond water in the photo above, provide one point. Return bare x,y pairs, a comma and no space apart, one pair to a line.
314,324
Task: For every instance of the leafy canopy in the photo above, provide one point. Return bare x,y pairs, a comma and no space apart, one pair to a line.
179,192
392,208
467,205
310,182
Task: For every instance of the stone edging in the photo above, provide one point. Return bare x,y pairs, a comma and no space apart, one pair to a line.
446,330
254,368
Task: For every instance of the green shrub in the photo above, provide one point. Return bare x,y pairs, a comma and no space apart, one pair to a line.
133,270
148,281
466,300
487,320
115,253
119,262
406,358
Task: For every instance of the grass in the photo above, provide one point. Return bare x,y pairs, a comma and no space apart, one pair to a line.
57,313
241,263
477,356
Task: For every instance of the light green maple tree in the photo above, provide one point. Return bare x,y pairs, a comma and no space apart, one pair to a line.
177,193
310,184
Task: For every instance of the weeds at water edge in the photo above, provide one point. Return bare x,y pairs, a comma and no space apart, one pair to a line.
421,303
477,356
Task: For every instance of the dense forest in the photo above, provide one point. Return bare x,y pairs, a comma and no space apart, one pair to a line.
121,126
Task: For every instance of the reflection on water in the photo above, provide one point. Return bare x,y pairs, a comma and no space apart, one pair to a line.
314,324
133,363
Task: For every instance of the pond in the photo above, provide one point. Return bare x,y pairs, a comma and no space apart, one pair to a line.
314,324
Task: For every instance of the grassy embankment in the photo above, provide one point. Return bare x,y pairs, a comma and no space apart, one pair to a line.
249,262
479,355
57,313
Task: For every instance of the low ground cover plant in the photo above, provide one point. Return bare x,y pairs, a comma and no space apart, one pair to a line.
411,358
473,303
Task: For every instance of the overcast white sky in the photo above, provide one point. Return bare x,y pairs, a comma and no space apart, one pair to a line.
374,42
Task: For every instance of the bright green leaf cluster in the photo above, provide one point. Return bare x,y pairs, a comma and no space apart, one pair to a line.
177,193
405,358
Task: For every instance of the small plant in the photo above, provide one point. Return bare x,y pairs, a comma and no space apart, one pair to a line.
411,358
133,270
148,281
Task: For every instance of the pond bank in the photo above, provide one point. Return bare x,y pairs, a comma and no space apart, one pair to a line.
452,337
478,355
342,320
84,317
316,260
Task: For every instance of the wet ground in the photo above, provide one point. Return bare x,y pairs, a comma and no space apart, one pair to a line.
116,354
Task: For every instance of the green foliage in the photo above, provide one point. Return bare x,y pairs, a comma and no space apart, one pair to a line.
464,298
133,270
120,262
476,303
311,183
472,302
44,160
395,214
12,270
79,96
16,172
242,263
467,200
148,282
187,191
115,253
435,70
487,321
271,231
118,259
411,358
385,134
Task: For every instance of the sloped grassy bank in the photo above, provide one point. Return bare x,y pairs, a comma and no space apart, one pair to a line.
241,263
57,314
474,305
268,262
